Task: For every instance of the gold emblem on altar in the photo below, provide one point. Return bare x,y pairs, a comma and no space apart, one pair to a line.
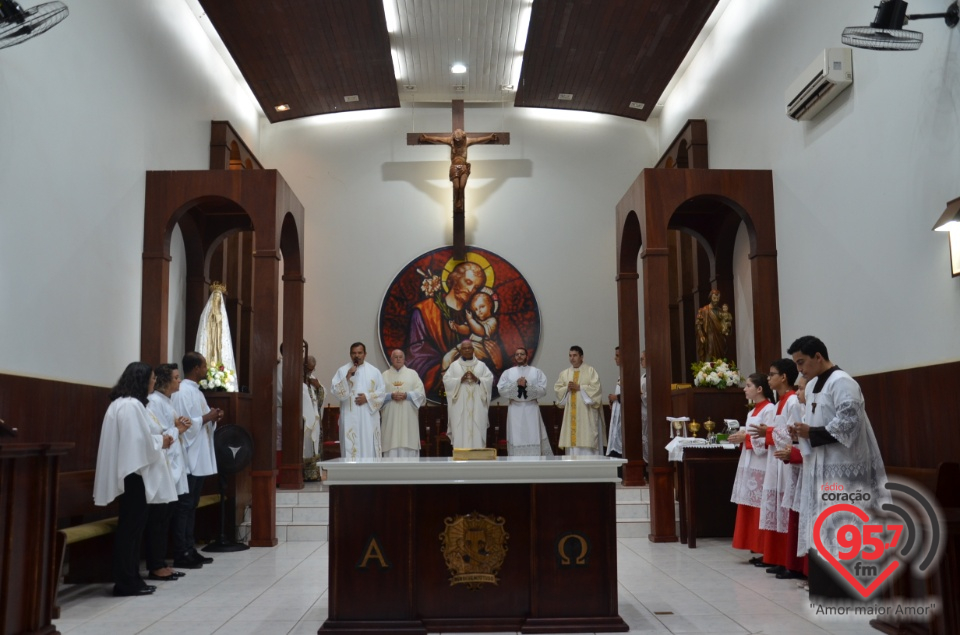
474,547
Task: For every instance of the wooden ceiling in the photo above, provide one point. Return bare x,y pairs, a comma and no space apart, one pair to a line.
312,54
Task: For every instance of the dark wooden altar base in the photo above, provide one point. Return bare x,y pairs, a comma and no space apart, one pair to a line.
539,589
704,482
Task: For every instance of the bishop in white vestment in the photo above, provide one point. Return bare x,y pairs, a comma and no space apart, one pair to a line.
524,385
359,388
401,408
580,395
468,384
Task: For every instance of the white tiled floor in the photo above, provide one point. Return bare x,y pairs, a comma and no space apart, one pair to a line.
664,588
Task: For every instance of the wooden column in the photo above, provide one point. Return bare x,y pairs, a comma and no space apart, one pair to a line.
630,373
656,302
266,272
291,466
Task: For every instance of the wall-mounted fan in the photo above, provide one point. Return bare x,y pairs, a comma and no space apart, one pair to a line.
234,449
18,25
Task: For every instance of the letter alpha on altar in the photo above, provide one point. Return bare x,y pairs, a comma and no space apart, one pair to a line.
373,552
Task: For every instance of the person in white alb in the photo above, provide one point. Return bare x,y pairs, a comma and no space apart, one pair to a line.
401,408
358,386
158,522
524,385
131,466
844,453
580,395
469,385
197,442
615,440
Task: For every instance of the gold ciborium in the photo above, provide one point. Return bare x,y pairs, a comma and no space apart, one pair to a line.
709,425
694,428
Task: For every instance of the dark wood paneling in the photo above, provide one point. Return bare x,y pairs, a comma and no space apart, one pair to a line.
607,54
45,411
914,414
309,55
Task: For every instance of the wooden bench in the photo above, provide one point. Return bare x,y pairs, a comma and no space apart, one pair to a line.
80,521
944,581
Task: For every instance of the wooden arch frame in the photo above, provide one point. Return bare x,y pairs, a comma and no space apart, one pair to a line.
208,206
708,204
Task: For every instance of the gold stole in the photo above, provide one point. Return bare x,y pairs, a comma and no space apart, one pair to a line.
573,412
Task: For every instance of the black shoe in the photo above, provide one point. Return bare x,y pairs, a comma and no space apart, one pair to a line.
789,575
163,578
197,557
777,569
144,590
178,574
187,562
762,564
756,561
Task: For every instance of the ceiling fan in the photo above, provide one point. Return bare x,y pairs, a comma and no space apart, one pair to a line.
18,25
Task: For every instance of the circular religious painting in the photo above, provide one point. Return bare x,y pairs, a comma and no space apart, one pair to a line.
436,302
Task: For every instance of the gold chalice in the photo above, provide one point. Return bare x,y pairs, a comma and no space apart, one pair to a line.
694,428
709,425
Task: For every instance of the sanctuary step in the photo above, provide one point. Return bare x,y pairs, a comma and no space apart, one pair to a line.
305,514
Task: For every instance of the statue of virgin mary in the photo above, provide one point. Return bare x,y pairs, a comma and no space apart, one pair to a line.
213,336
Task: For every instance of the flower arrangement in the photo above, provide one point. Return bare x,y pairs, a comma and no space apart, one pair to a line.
218,378
720,374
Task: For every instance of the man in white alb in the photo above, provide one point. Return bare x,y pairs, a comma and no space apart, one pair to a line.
580,395
469,384
401,407
615,443
844,454
359,388
523,385
197,442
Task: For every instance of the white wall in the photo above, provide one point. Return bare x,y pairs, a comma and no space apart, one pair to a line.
115,90
545,203
857,190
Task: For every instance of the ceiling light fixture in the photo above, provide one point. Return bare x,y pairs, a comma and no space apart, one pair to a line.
282,108
458,68
886,32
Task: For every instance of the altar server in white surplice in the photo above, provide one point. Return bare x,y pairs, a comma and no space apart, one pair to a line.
131,465
615,442
197,442
401,407
580,395
359,388
469,384
523,385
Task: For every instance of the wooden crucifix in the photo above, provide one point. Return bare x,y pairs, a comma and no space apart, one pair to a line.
458,141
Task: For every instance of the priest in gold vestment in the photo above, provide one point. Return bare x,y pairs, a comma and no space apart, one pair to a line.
580,395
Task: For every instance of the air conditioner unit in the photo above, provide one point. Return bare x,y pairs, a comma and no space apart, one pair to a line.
828,76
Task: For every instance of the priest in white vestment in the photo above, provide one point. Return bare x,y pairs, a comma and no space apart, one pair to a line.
197,442
359,388
468,384
580,395
401,408
524,385
844,450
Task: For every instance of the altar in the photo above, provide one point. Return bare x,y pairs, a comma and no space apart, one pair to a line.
522,544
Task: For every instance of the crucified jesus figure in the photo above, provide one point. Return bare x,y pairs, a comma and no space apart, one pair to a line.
459,168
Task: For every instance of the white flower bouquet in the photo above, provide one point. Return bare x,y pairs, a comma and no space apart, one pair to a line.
720,374
218,378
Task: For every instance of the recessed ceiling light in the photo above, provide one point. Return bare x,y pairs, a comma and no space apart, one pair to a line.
565,96
282,107
636,104
349,98
458,68
506,86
